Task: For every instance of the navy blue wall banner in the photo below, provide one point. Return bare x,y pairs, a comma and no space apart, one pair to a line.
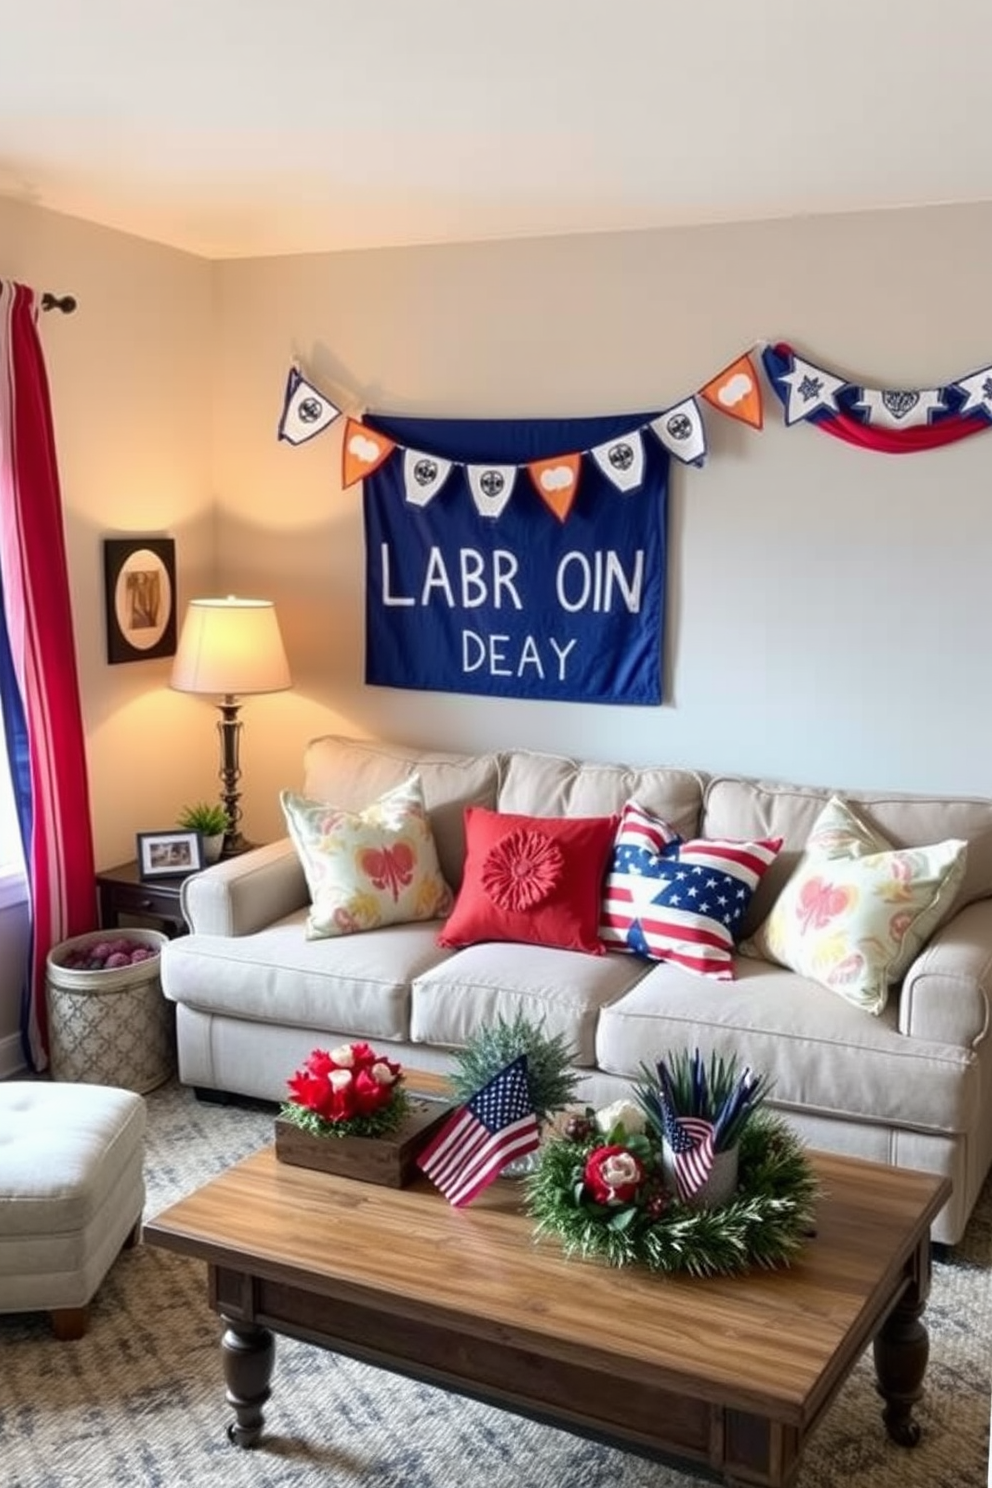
478,583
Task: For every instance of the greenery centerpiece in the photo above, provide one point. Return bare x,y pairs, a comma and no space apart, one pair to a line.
602,1187
551,1078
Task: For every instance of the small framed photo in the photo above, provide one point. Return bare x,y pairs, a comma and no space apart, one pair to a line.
139,576
169,854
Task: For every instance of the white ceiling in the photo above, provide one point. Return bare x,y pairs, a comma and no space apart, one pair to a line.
254,127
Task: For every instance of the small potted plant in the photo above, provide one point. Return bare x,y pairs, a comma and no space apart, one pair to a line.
211,821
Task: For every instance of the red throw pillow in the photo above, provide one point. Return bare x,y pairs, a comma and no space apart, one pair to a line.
534,879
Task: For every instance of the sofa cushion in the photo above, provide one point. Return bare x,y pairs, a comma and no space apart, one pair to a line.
533,880
856,912
367,868
823,1055
736,807
351,772
356,985
679,901
554,785
561,990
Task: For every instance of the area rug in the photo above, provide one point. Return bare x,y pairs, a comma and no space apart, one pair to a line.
139,1401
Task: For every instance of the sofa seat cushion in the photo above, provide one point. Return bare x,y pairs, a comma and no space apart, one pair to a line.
735,807
564,990
353,984
822,1054
535,784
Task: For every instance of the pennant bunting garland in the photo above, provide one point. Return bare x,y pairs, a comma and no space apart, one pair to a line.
681,431
362,452
306,412
889,421
557,482
423,476
736,391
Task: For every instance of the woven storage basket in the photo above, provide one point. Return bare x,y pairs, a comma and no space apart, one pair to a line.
110,1027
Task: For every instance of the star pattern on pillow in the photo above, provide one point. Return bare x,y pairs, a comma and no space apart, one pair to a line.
676,900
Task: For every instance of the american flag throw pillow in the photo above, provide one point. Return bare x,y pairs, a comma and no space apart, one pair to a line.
673,900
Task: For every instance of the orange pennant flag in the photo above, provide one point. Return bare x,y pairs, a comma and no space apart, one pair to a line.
362,451
737,392
557,481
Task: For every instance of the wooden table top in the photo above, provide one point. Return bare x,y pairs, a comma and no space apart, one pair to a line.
771,1340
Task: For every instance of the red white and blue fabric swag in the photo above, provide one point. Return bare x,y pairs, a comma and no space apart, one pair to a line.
891,421
496,565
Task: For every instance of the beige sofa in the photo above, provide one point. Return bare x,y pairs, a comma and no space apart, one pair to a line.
912,1086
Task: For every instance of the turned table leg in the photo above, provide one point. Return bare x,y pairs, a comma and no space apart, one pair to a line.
902,1349
248,1352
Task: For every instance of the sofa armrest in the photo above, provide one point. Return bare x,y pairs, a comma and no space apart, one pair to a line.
240,895
946,992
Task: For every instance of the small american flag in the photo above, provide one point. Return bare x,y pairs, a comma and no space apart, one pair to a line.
497,1124
690,1140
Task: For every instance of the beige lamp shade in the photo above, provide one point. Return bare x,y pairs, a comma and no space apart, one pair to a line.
230,646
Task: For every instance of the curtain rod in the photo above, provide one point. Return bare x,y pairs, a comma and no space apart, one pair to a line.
65,303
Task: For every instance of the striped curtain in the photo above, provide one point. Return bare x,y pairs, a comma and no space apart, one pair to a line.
39,692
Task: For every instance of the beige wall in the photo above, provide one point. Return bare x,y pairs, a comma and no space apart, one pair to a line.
131,396
826,605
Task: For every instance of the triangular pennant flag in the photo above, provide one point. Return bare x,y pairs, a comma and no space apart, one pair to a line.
423,476
808,389
622,460
557,482
491,487
682,432
305,410
362,452
737,392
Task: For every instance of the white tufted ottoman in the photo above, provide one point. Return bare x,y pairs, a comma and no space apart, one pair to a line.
72,1191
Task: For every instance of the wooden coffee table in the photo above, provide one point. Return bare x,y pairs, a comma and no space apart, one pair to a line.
727,1377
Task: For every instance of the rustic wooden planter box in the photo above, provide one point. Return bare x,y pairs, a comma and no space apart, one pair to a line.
387,1160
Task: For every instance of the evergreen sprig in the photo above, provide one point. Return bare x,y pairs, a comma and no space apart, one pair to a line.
381,1123
551,1079
765,1224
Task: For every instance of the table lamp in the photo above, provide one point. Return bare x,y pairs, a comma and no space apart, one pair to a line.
230,647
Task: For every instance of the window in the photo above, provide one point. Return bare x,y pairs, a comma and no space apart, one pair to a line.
12,882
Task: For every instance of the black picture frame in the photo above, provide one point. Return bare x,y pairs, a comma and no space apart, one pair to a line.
139,576
169,854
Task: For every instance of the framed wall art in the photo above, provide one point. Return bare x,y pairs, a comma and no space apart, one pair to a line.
139,576
169,854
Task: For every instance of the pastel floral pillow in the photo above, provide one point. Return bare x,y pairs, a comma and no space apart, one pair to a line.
369,868
857,910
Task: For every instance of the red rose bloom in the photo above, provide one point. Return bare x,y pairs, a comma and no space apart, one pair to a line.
613,1175
352,1080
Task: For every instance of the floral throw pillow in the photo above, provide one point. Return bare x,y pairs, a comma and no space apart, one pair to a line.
679,901
367,868
857,910
532,879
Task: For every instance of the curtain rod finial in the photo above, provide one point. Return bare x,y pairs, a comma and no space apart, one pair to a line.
65,303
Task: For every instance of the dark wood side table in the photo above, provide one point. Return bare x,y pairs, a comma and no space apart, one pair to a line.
121,891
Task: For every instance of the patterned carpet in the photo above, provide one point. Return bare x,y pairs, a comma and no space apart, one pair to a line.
139,1401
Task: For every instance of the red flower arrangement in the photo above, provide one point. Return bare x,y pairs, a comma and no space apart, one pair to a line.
350,1091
